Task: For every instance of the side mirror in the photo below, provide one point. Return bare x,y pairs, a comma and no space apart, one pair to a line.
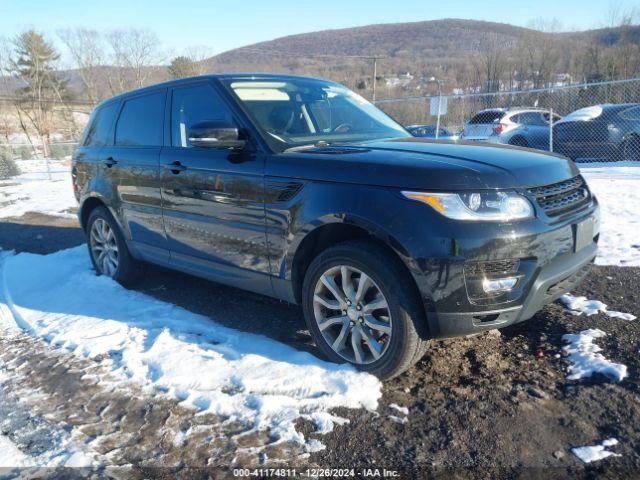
215,134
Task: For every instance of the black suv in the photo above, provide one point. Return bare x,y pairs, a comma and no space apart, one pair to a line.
300,189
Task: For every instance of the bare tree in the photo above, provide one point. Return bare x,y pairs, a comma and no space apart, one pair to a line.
491,62
538,52
623,57
87,50
135,54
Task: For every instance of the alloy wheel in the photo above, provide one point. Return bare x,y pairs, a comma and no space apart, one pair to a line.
104,247
352,314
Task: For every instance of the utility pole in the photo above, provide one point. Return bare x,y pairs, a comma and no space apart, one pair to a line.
375,73
439,83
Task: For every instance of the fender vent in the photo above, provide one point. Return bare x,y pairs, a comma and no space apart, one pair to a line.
283,191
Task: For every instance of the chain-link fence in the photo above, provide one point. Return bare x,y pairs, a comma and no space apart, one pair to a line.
28,159
589,122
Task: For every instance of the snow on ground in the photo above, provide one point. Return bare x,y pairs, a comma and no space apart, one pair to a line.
32,191
240,376
27,440
593,453
12,456
586,359
617,187
579,305
398,408
404,411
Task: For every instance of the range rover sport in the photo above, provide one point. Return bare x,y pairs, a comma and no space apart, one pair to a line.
300,189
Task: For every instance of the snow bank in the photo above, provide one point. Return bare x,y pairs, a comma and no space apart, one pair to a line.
240,376
34,192
593,453
617,188
579,305
586,359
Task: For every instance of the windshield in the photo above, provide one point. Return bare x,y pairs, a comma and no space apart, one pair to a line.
306,112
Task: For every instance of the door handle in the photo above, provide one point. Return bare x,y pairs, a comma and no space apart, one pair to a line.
110,162
175,167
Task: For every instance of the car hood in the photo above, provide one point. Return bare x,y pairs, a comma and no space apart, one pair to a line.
425,164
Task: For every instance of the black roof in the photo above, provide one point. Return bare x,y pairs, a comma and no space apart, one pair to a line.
239,75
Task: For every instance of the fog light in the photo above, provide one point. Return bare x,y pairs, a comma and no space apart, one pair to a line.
499,284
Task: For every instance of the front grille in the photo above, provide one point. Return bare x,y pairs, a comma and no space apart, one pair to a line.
491,269
562,197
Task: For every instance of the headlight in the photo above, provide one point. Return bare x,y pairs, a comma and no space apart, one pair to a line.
478,206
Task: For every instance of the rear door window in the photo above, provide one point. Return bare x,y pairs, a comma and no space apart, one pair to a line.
491,116
99,132
140,122
530,118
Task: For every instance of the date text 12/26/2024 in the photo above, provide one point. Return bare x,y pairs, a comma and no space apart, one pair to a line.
316,472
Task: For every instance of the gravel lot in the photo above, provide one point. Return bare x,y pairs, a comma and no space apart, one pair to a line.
497,405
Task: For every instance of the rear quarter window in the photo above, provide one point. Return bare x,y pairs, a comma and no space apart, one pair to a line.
98,131
632,113
141,120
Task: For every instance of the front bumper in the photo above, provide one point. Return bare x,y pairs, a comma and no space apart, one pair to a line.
555,279
548,259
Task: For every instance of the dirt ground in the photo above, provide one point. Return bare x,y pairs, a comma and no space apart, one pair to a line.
497,405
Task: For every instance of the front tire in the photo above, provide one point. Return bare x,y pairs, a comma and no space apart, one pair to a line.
108,249
362,307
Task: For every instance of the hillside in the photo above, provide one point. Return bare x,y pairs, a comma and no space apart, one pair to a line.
445,49
433,39
451,50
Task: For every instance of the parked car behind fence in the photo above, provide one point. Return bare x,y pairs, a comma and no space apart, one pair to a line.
521,126
607,132
585,140
429,131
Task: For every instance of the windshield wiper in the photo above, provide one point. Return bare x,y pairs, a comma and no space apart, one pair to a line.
320,143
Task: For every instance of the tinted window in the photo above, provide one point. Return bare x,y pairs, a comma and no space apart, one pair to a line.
191,105
100,126
545,116
630,114
530,118
140,121
491,116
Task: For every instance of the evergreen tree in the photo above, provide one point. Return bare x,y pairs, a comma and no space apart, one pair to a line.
34,64
182,66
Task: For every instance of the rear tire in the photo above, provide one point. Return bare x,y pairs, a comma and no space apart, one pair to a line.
108,249
390,338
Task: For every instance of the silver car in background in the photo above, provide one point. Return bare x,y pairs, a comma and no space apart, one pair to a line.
521,126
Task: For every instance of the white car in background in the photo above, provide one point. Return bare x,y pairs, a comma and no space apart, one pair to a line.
521,126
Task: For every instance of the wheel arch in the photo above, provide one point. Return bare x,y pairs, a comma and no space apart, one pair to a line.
89,204
330,231
519,140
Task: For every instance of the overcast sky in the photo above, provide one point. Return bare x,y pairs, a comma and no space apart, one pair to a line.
223,25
